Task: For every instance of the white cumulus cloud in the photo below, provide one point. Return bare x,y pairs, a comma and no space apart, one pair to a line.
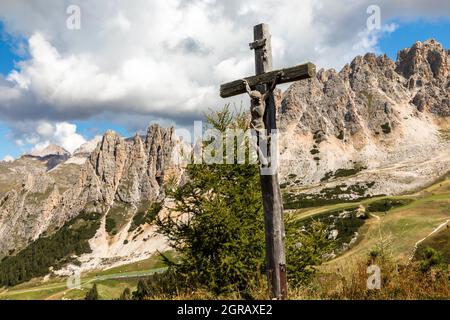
165,59
41,134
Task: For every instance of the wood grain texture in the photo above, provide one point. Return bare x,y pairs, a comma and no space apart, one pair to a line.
270,187
300,72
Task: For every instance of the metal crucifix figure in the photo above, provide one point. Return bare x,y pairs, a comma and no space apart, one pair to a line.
260,89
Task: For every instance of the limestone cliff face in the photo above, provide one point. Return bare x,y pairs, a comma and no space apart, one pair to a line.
426,67
125,173
374,113
130,171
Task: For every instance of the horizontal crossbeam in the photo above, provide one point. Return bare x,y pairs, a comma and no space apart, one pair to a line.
258,44
300,72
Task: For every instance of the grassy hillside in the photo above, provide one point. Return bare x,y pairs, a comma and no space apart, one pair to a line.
110,283
413,219
52,251
403,221
439,242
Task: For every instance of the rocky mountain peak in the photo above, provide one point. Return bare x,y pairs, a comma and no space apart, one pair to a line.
51,155
372,104
107,162
130,170
87,148
427,61
51,150
359,98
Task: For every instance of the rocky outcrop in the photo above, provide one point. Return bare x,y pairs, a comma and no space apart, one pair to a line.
426,68
119,172
374,113
80,155
424,62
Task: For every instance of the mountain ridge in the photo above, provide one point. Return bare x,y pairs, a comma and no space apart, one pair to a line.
44,201
367,116
377,126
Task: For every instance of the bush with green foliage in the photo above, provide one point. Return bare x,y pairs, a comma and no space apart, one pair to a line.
386,205
110,225
142,218
126,294
221,236
305,249
92,294
386,128
346,227
429,258
217,227
342,173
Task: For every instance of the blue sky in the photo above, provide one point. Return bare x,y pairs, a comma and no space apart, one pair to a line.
7,56
7,59
8,147
408,31
87,128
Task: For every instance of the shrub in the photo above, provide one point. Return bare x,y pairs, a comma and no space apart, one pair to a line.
428,258
110,225
92,294
386,128
304,251
341,173
386,205
142,218
126,294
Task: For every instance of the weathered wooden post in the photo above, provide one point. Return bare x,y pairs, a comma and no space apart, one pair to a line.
271,193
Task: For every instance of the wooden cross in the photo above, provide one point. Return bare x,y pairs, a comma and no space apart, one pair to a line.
271,193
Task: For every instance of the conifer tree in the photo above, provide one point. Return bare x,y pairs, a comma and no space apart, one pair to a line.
220,235
92,294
